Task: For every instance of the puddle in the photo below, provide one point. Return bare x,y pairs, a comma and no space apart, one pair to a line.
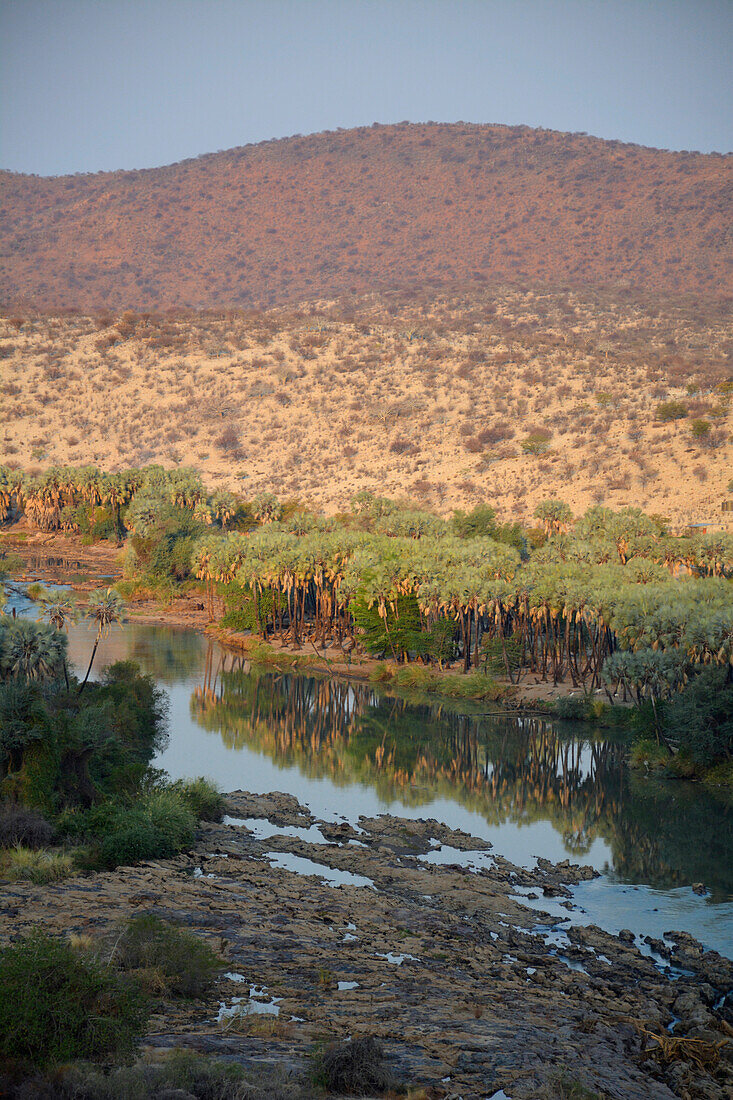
473,861
396,960
329,876
241,1007
264,829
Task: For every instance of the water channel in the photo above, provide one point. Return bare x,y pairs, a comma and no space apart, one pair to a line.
531,787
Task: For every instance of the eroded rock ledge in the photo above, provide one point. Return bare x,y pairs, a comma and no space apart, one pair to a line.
469,990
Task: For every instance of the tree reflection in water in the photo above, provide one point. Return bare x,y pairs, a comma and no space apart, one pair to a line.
507,768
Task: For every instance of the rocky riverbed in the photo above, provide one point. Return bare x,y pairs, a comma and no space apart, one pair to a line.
416,934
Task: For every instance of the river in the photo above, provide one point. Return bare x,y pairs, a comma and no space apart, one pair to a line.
531,787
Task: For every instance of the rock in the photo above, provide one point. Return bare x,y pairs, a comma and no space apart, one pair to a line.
699,888
626,936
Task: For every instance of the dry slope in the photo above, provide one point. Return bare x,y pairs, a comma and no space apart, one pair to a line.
508,396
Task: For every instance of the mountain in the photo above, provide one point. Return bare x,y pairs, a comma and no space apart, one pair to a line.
379,207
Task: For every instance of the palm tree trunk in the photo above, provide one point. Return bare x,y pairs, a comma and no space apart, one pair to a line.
91,662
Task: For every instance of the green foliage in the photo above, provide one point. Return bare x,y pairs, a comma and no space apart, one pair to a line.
537,443
700,429
183,1073
700,717
397,633
154,826
495,655
202,797
554,514
56,1005
481,523
31,651
670,410
247,611
173,960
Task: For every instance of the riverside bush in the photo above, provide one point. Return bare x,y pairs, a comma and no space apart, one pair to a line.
202,797
157,826
170,959
56,1005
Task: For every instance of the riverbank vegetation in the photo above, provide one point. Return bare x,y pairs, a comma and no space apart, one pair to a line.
610,603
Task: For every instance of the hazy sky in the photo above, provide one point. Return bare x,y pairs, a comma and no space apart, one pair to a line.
87,85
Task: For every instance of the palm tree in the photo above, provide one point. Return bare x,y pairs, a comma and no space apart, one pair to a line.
62,609
105,608
32,651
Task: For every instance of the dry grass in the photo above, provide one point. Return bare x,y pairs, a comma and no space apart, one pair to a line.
431,398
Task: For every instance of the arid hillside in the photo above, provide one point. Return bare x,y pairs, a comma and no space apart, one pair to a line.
368,209
506,396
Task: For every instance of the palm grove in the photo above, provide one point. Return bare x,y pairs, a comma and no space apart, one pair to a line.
609,601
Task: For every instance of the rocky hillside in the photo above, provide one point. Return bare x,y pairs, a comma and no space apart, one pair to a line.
372,208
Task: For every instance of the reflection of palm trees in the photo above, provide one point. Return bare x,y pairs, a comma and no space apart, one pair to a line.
505,768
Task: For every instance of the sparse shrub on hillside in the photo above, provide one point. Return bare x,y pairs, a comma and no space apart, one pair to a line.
700,429
537,442
230,439
670,410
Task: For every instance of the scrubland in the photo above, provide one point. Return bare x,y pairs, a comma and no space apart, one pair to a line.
508,396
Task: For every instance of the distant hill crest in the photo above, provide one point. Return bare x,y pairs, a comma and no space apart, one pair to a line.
376,207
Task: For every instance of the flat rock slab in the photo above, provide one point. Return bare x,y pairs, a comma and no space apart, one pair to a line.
463,985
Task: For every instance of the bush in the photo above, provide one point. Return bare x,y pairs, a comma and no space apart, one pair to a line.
670,410
700,429
183,1073
492,654
21,826
56,1005
573,708
27,864
157,826
354,1068
700,718
171,959
202,797
537,443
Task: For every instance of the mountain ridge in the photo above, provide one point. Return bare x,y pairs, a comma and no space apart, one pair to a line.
370,208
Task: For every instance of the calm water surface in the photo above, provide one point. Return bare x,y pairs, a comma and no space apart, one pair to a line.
531,787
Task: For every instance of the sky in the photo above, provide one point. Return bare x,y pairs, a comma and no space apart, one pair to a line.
92,85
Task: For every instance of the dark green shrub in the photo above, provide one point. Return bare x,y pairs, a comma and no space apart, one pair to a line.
492,654
157,826
171,958
670,410
700,718
244,613
574,708
700,429
202,797
397,634
56,1005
